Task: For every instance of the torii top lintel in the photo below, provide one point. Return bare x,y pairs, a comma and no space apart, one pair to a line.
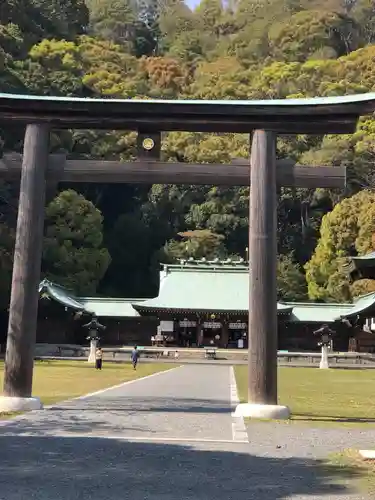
320,115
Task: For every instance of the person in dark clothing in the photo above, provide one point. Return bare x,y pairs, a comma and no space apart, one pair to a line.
98,358
135,357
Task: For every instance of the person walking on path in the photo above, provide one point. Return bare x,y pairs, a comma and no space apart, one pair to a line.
135,357
98,358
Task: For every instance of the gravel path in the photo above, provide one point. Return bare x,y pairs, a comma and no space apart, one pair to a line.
167,437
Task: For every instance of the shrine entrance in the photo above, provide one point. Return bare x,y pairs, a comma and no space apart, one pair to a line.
263,120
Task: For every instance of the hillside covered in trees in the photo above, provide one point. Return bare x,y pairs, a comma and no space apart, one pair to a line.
109,239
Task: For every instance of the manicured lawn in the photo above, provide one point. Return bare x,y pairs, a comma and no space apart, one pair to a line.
61,380
344,397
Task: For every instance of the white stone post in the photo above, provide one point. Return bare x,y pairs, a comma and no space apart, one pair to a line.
324,359
92,355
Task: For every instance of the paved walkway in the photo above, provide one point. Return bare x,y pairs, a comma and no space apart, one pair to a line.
170,436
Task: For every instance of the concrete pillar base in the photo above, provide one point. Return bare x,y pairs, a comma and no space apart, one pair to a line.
92,355
14,404
324,364
269,412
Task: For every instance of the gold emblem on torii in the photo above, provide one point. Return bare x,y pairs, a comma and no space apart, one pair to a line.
148,143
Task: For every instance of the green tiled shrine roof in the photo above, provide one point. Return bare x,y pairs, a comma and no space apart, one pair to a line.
362,304
318,313
331,312
224,286
60,294
360,266
369,256
101,307
206,286
108,307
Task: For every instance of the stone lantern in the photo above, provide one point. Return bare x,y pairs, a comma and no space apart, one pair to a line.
325,335
93,327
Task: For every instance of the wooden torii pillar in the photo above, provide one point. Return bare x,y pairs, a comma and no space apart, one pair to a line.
262,326
23,308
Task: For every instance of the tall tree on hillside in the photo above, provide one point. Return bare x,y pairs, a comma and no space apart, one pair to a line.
131,248
122,22
113,20
313,34
63,18
364,14
347,230
291,282
39,19
73,254
210,13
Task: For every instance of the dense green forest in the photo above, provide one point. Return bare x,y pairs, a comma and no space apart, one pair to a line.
109,239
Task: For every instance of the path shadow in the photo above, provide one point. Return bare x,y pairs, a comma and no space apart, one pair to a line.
110,415
163,404
67,468
49,423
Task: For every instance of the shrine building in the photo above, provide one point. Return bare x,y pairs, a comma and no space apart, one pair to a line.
200,303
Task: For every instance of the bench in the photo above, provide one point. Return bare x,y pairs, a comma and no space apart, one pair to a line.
210,353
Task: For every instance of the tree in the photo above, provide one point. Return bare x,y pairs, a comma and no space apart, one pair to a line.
119,21
196,244
63,18
291,282
210,13
165,75
73,254
313,34
38,19
175,18
364,14
113,20
347,230
131,248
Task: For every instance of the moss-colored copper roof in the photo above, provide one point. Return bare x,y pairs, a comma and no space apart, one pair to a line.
370,257
206,287
360,266
59,294
101,307
202,286
223,286
310,312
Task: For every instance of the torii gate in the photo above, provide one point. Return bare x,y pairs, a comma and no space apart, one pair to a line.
263,119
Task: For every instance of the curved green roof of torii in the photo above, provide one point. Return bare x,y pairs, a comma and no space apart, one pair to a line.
319,115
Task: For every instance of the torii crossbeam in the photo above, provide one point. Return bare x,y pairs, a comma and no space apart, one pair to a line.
263,119
148,171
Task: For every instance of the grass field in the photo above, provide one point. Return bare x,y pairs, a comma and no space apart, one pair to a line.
344,397
61,380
